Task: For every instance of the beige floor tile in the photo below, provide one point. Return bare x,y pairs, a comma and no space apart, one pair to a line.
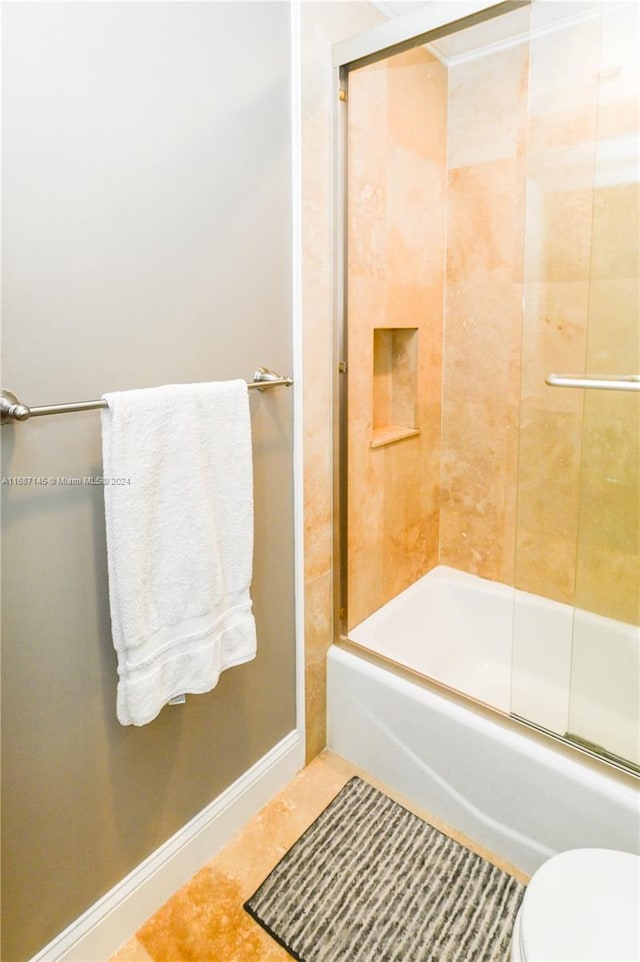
205,921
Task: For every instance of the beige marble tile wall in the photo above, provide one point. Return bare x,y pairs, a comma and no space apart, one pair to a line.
322,24
396,228
560,170
540,485
577,532
487,112
608,549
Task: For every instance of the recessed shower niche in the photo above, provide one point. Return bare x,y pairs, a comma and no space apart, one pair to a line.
395,358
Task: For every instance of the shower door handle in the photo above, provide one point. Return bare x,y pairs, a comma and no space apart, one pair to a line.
597,382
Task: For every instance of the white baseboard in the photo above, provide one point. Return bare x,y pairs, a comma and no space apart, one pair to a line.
111,921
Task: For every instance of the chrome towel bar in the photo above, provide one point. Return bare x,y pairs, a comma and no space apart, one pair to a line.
597,382
11,409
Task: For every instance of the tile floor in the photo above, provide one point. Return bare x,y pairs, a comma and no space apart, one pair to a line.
205,922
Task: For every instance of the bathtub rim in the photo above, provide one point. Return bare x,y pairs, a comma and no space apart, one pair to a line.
544,738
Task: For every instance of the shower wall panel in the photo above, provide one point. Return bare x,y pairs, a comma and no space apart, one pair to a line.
482,337
396,229
560,162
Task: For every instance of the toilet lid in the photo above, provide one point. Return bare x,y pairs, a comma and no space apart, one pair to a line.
583,905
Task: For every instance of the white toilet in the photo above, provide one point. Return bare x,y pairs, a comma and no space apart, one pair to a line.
581,906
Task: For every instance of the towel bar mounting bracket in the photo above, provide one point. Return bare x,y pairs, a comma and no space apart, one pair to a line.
11,409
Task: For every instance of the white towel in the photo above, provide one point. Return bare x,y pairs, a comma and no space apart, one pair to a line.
179,520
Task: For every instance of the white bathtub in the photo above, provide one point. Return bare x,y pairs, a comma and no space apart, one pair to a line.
513,791
450,626
564,669
509,788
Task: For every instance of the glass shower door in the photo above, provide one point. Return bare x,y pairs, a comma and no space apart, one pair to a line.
575,667
604,699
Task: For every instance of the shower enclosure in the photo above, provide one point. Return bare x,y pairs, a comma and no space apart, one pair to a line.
491,333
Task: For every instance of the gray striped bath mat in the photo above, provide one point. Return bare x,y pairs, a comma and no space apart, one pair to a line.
371,882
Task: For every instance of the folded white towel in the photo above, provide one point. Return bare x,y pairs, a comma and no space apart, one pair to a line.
179,522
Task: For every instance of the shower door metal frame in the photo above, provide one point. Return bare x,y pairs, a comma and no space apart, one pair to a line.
377,43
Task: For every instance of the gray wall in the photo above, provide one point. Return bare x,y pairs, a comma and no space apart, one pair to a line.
146,240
